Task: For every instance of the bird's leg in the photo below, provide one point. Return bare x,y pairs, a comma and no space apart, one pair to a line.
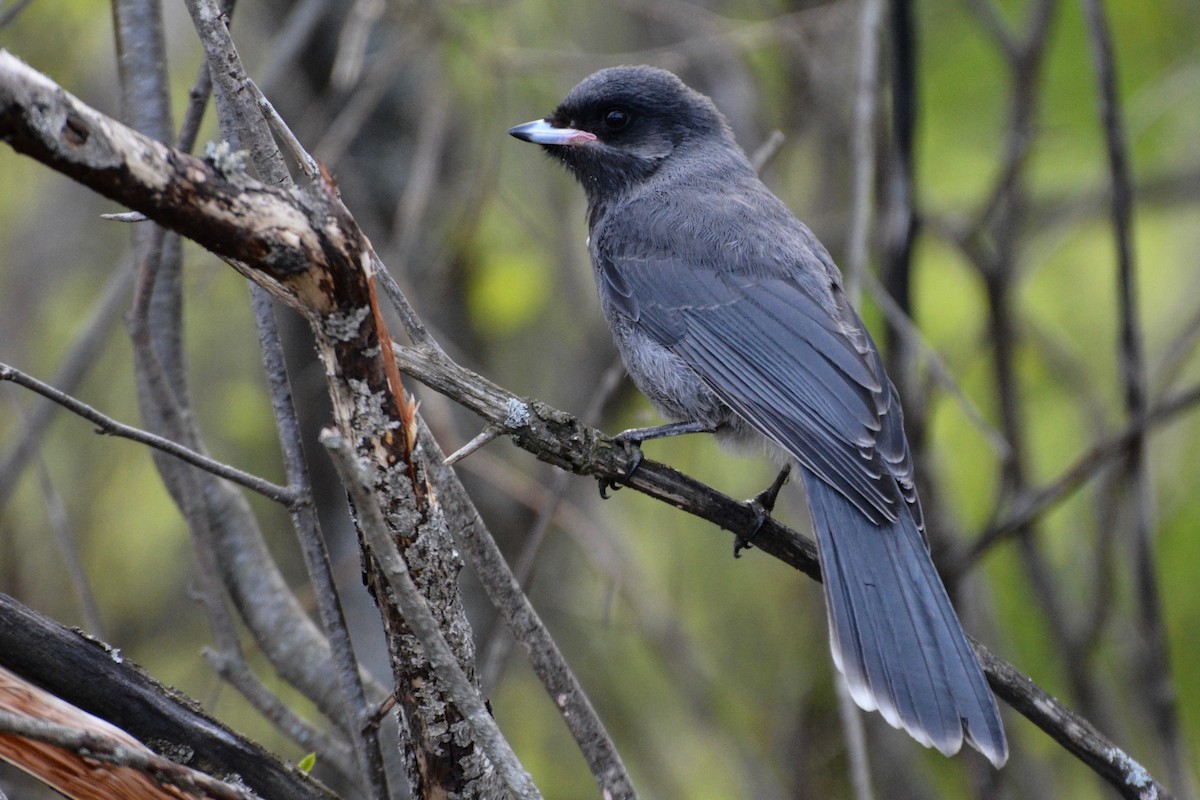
639,435
763,504
636,436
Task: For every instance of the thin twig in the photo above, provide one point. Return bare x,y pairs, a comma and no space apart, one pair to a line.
856,741
284,49
990,19
80,358
9,14
352,43
907,330
56,515
1029,507
368,93
433,136
488,434
125,216
109,426
413,326
765,153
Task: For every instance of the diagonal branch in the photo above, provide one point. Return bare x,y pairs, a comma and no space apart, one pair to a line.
54,658
109,426
1030,506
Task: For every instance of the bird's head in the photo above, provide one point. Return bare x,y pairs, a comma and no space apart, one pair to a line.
621,125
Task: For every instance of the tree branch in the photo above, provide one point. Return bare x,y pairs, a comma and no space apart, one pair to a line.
109,426
54,658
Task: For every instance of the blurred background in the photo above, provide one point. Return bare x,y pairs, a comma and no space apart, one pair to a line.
713,675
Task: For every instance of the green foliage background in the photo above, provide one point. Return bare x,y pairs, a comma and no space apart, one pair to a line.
712,673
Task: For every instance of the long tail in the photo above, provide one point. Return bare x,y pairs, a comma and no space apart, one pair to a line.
894,634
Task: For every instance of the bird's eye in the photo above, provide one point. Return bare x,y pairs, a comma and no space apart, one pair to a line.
616,118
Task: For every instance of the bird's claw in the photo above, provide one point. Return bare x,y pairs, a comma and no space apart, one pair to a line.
763,504
761,513
608,484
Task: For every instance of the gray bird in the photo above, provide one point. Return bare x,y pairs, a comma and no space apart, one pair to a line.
730,317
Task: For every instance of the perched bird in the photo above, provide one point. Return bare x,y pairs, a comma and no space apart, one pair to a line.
731,318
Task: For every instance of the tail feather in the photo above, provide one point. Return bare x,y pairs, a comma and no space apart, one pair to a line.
894,633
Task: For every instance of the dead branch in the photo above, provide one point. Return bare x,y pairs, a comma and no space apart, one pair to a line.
53,657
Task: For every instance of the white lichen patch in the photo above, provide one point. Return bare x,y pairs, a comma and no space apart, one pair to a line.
1135,774
369,418
224,159
518,414
343,326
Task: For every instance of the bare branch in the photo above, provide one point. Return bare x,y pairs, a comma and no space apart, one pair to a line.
307,163
562,440
316,559
1027,508
90,760
125,216
1159,691
1072,731
488,434
527,628
109,426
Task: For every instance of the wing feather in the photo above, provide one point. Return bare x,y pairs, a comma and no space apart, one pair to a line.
774,354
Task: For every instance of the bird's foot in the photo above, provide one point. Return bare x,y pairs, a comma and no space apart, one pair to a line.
763,504
609,485
636,436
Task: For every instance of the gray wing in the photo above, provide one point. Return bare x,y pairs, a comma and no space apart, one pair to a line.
805,375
